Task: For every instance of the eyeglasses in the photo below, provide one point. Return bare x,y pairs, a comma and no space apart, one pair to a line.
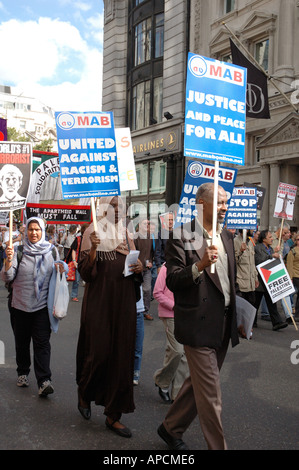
34,230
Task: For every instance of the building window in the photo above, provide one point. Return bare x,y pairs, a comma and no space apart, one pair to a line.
23,124
141,105
143,114
9,105
159,35
145,68
229,5
227,58
142,179
149,197
158,99
157,177
262,53
142,41
137,2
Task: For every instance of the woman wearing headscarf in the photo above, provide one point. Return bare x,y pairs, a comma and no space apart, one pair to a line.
29,303
106,345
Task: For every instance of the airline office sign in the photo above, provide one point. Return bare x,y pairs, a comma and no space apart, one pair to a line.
87,154
215,110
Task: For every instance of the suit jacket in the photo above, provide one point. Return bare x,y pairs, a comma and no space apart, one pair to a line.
199,305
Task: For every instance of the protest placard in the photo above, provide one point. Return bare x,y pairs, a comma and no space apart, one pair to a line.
276,278
260,194
87,154
45,195
198,173
125,159
241,212
15,174
215,116
285,201
215,111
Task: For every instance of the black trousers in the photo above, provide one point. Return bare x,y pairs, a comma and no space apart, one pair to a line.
33,326
249,296
272,308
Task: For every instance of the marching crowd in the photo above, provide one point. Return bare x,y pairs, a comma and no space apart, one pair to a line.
196,305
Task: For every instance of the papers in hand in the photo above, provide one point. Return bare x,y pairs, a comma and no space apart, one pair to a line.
245,314
131,258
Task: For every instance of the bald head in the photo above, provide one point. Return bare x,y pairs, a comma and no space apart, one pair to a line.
205,192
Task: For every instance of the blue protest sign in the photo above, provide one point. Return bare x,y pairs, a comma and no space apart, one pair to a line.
87,154
197,174
242,211
215,110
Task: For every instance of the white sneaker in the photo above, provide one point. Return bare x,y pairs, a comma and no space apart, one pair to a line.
45,389
23,381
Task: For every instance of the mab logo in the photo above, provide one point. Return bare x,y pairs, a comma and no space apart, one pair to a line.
197,169
67,121
203,67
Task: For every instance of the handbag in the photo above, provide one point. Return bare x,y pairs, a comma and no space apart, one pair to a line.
72,272
72,269
61,296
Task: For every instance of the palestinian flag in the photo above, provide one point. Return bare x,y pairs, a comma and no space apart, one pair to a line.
274,271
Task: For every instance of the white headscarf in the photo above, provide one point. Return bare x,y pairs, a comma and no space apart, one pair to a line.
113,236
39,251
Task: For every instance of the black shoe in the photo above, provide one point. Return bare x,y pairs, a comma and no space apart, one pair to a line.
164,395
289,321
123,432
172,442
85,412
266,317
279,326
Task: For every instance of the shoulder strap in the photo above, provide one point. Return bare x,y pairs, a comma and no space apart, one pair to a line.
54,253
19,258
19,253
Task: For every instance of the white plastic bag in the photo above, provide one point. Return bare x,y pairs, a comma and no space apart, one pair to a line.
61,297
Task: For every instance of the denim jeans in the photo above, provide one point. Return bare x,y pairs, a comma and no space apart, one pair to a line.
75,285
138,344
154,277
139,337
287,306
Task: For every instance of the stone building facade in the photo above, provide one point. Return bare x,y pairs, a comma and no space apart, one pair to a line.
146,43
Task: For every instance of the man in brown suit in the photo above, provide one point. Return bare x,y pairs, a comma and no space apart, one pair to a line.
205,318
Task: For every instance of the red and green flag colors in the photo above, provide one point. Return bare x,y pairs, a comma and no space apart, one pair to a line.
276,278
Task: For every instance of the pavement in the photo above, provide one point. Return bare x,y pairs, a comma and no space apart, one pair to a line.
259,390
